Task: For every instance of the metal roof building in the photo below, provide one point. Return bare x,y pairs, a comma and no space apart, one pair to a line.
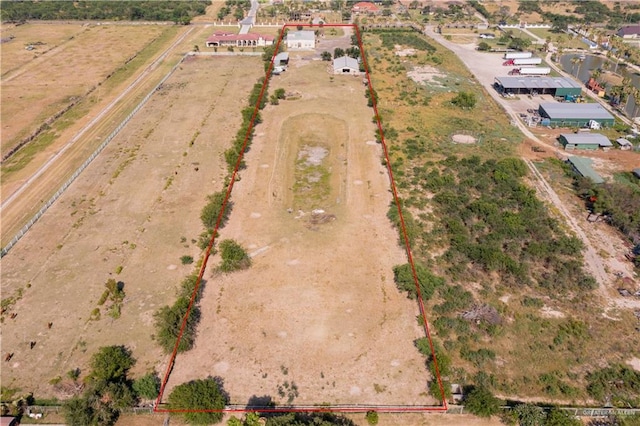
301,40
574,115
582,166
556,86
346,65
584,141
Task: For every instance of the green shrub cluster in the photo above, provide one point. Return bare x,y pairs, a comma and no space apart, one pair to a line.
404,37
403,277
619,383
491,219
108,389
250,118
168,319
234,257
201,395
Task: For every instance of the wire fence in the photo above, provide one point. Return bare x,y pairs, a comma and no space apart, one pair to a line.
84,165
452,409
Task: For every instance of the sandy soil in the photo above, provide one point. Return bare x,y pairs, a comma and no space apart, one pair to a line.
130,208
318,308
36,90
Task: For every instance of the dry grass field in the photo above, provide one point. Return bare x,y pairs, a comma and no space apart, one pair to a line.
130,216
37,89
318,308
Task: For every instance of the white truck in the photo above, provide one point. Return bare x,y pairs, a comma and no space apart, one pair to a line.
527,61
517,55
531,71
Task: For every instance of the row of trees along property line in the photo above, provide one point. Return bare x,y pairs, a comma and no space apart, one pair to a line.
216,212
179,12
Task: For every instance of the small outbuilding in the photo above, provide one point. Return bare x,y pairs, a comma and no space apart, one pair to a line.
591,141
301,40
582,166
281,59
346,65
625,145
574,115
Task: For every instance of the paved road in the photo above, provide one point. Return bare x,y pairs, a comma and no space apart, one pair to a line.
250,20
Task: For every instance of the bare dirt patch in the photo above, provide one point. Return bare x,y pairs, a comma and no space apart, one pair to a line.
318,308
464,139
426,74
136,207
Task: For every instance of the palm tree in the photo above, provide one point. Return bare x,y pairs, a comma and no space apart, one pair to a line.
635,92
575,60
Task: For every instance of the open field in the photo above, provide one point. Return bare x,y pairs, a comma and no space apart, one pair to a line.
318,308
43,38
32,175
38,89
130,216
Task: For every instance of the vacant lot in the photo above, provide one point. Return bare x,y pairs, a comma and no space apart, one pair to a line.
34,90
317,318
130,216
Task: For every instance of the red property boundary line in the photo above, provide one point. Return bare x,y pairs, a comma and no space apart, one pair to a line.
310,409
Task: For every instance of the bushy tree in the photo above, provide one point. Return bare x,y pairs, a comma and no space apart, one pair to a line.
530,415
484,46
147,386
108,390
199,395
326,56
481,402
111,364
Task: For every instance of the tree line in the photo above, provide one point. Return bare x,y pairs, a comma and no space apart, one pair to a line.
137,10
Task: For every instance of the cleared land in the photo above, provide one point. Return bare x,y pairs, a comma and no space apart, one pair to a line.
135,211
318,308
38,89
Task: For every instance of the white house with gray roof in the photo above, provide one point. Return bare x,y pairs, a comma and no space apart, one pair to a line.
301,40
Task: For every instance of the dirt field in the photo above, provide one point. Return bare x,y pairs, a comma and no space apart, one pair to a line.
37,89
136,208
318,308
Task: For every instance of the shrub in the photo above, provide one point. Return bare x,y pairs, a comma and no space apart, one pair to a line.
372,417
464,100
147,386
481,402
234,257
168,322
186,260
199,395
211,211
403,277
